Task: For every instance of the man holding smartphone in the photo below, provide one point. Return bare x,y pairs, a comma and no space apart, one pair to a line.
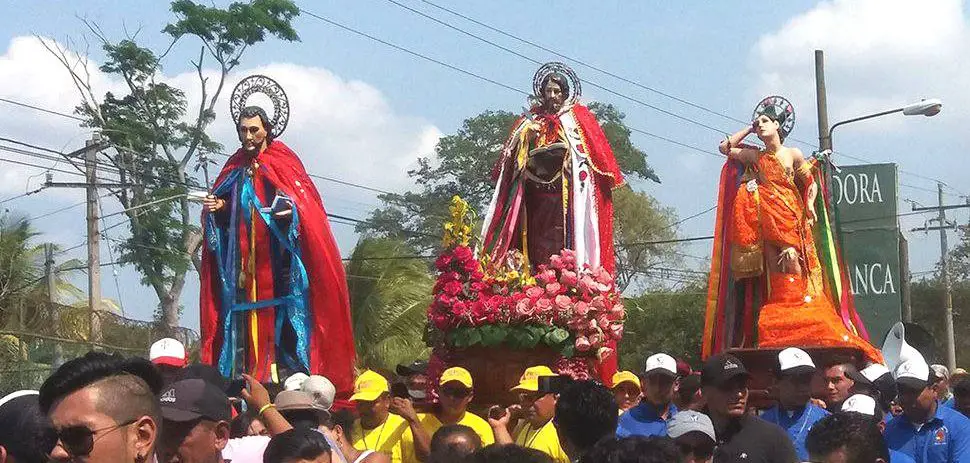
532,416
455,392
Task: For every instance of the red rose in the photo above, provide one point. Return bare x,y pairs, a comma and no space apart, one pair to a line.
453,288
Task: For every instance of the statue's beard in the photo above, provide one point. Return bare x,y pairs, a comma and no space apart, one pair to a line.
252,148
553,105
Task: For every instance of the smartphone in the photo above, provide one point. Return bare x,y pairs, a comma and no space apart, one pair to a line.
496,412
400,390
235,387
553,384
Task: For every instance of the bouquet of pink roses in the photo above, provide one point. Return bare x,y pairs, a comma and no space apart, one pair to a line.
576,310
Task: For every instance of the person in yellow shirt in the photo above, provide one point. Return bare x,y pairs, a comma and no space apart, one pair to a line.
533,417
626,390
384,420
455,392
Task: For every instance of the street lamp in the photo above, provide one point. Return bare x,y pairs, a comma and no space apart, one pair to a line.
927,107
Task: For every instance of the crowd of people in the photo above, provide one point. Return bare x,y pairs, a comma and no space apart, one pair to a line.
108,408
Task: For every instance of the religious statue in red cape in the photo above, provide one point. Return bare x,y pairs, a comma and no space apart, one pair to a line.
274,294
554,186
554,181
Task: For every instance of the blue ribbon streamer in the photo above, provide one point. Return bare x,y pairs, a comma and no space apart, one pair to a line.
291,308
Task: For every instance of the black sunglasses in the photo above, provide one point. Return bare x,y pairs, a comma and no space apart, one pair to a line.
79,440
456,392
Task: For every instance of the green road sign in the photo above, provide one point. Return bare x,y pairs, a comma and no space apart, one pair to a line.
865,199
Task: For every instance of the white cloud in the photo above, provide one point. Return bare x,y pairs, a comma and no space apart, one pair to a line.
345,129
879,54
340,128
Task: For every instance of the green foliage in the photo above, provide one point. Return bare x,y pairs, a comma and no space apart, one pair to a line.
462,166
156,136
960,256
927,304
518,337
228,30
670,322
389,300
632,160
639,217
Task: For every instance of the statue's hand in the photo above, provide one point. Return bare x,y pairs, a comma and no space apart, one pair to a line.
812,217
788,260
213,203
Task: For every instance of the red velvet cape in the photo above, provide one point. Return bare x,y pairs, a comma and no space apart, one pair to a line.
332,352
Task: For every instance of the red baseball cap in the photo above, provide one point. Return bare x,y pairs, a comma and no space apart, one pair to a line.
167,351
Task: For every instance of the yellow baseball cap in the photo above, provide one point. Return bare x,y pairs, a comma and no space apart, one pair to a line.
625,377
529,382
456,374
369,386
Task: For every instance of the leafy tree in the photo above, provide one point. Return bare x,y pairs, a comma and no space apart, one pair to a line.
927,303
960,256
463,165
669,322
389,296
155,135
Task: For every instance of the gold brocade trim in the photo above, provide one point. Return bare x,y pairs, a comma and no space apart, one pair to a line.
592,165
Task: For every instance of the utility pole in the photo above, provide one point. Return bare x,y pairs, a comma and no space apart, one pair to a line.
90,152
94,242
905,279
821,101
951,356
52,302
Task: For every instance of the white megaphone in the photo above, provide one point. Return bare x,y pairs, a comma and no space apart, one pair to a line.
895,350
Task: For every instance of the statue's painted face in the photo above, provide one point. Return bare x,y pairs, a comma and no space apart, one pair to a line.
252,134
552,95
765,127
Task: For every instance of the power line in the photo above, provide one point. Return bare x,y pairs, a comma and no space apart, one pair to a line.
534,61
679,240
611,74
38,190
494,82
48,111
584,63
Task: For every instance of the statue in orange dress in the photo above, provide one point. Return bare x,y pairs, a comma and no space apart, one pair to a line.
768,286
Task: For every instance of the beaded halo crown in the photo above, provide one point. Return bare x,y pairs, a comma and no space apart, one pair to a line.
778,109
554,68
271,89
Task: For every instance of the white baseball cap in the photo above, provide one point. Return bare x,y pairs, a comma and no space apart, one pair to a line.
295,382
860,403
913,373
941,371
661,363
874,372
794,361
322,390
167,351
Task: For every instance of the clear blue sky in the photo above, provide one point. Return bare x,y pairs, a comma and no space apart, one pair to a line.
707,53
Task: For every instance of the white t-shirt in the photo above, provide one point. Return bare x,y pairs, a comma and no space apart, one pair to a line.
247,449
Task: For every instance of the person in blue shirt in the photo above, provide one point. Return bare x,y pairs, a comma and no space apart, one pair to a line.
961,396
926,431
795,412
649,418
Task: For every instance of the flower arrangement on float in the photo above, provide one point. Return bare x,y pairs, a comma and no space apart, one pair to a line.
575,311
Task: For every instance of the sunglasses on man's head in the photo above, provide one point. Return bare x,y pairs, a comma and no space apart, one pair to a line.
79,440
